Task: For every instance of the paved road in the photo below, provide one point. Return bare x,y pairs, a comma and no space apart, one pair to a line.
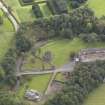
14,22
66,68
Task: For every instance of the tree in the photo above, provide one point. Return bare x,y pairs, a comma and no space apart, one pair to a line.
47,57
72,55
89,38
77,3
8,65
22,44
36,10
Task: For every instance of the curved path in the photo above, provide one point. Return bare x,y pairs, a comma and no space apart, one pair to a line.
10,16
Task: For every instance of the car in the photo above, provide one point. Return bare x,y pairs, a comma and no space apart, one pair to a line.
32,95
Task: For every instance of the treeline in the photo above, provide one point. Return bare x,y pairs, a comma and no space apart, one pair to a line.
8,68
79,23
77,3
85,78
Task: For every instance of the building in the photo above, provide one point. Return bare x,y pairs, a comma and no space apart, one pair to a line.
92,54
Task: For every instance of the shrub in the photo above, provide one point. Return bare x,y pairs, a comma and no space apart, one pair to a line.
77,3
37,11
57,6
27,1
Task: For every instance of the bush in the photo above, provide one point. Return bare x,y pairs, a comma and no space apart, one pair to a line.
57,6
37,11
77,3
22,44
28,1
89,38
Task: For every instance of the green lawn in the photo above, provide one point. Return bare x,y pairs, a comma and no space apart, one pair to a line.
97,97
39,83
22,13
7,25
6,35
5,43
61,49
98,6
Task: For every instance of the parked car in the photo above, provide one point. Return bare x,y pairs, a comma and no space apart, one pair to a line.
32,95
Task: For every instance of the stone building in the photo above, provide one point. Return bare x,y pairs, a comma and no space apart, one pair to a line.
91,54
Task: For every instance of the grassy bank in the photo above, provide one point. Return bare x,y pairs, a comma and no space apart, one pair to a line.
97,97
98,6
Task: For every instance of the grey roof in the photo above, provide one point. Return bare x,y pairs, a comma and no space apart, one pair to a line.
92,50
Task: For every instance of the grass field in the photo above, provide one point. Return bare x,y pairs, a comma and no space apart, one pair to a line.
24,13
97,97
5,43
61,49
6,35
39,83
98,6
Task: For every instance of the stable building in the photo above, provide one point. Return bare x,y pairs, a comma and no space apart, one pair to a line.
91,54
